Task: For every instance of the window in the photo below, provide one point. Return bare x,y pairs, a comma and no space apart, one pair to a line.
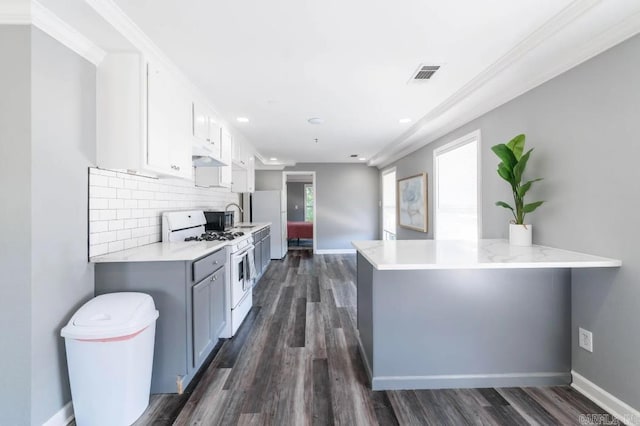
389,204
308,202
457,189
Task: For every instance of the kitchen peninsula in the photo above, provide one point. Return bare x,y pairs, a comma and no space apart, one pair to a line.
462,314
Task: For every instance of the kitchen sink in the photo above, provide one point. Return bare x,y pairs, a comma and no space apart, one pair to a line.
245,226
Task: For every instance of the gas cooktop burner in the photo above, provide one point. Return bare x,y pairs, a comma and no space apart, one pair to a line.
216,236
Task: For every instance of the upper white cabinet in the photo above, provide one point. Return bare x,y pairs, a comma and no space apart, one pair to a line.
144,118
241,154
206,130
244,178
218,176
168,124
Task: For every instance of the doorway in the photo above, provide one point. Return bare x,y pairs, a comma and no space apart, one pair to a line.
301,198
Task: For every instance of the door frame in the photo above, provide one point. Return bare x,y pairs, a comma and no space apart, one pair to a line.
315,202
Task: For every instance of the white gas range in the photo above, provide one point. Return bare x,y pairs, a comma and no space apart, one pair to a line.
189,226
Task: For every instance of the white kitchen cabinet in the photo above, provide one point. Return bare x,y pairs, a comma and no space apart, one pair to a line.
240,154
168,124
143,118
218,176
206,129
244,178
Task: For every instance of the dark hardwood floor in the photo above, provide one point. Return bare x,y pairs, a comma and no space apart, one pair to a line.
295,362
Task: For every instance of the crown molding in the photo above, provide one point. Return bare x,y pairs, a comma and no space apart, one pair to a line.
15,13
614,35
51,24
551,27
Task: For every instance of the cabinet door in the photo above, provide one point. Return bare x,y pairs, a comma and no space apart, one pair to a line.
169,114
202,331
180,141
266,251
218,304
158,123
226,143
251,174
214,137
257,254
200,122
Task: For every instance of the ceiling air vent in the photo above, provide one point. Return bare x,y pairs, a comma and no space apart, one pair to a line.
424,73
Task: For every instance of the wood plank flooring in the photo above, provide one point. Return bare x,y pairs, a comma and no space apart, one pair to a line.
295,361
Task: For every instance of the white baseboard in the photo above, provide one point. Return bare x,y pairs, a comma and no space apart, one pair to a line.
623,411
336,251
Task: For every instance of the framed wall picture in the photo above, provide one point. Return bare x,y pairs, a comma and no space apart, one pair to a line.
412,202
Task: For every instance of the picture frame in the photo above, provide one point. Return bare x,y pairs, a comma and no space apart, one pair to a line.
411,202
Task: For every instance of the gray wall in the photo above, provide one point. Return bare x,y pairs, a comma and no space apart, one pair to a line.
295,201
15,215
585,129
63,143
346,201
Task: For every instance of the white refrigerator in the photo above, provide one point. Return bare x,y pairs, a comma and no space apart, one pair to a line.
271,206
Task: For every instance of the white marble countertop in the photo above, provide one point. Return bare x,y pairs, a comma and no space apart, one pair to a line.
482,254
178,251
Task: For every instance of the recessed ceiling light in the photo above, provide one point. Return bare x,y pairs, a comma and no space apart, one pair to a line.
273,159
242,119
315,120
404,120
362,159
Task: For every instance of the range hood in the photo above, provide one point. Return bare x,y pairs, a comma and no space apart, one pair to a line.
202,156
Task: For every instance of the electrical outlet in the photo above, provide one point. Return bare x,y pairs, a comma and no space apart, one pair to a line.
585,339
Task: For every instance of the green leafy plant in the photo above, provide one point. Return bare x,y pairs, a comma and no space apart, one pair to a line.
511,169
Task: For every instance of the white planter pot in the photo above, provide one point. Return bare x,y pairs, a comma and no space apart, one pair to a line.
520,235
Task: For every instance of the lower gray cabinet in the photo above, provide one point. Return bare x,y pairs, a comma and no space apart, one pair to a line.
262,252
257,254
266,251
191,299
208,315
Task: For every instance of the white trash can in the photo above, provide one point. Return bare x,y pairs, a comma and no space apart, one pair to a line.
109,343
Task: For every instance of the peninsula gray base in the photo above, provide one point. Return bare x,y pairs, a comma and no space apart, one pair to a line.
430,329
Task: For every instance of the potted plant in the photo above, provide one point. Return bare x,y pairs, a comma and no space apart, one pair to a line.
511,168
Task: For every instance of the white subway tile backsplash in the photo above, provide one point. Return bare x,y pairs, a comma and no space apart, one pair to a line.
130,184
116,203
115,225
124,234
125,210
130,243
106,214
124,193
99,181
98,203
123,214
116,182
130,223
116,246
98,226
98,249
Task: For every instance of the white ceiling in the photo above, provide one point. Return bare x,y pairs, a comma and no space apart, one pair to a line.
283,61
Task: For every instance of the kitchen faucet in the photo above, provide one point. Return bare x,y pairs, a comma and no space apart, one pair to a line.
234,204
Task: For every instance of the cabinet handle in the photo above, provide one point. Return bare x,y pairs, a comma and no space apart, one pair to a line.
174,167
213,278
215,262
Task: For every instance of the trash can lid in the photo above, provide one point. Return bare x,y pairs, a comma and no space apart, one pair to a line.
111,315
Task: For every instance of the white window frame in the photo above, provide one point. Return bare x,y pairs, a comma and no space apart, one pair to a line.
476,135
382,175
